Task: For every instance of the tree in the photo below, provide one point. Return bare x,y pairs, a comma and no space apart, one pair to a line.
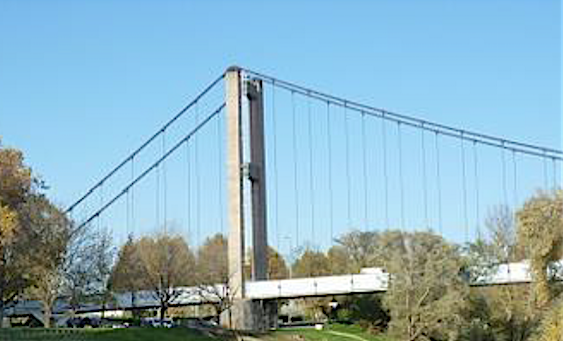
102,254
168,264
277,269
510,313
361,249
127,272
48,230
87,266
212,260
213,273
16,182
310,264
339,260
551,328
540,232
427,296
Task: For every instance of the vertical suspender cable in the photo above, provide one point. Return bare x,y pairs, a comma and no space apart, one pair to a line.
311,181
477,202
197,180
515,181
164,185
133,223
329,158
438,182
347,155
545,176
295,184
157,196
385,175
401,179
276,180
504,175
365,172
100,222
128,213
424,178
554,174
464,180
189,192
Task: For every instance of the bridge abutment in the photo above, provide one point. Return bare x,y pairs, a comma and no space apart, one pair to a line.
251,315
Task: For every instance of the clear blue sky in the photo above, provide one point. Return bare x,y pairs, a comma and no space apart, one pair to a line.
82,83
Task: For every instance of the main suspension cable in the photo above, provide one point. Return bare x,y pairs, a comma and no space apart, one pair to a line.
151,168
413,121
146,143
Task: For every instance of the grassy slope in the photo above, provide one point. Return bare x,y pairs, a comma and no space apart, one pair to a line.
342,333
132,334
334,333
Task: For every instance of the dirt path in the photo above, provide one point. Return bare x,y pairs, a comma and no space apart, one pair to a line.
352,336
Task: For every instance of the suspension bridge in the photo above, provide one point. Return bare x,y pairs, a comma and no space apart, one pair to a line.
271,163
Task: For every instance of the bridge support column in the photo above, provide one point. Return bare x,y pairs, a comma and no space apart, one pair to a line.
251,315
246,314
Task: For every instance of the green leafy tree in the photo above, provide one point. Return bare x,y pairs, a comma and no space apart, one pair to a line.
212,260
49,231
427,297
168,264
551,328
277,269
127,272
310,264
361,249
510,313
540,232
339,260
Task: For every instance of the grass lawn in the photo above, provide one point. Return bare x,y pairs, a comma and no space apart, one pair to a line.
102,334
336,332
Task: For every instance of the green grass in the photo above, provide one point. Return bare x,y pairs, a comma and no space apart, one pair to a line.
102,334
337,332
341,333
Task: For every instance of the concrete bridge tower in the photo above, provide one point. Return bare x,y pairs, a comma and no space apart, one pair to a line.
243,170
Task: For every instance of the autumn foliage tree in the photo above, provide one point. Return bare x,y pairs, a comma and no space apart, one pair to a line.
427,296
311,264
16,182
34,235
162,263
540,232
48,232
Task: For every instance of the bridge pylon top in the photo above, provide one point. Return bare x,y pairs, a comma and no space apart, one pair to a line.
233,68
